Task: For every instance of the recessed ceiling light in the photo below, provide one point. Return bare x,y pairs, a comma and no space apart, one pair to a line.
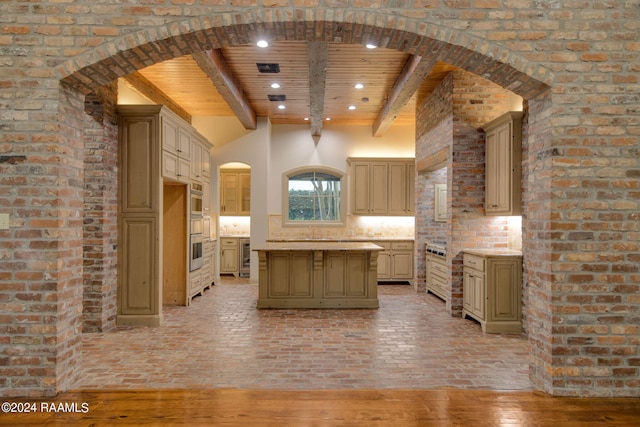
371,46
306,118
281,107
275,85
352,107
358,86
262,43
328,118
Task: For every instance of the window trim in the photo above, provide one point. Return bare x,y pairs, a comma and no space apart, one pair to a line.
308,169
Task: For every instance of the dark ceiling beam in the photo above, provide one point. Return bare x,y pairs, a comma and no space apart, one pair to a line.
318,58
213,65
414,73
138,82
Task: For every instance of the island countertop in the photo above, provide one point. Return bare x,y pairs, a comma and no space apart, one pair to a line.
316,245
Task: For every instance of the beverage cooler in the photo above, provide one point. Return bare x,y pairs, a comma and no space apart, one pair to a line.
245,258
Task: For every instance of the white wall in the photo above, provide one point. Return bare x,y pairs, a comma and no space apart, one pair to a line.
272,150
292,147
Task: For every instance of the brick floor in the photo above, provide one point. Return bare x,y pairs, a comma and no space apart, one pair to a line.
222,340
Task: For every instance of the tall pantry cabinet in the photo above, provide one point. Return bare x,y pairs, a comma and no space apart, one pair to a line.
154,175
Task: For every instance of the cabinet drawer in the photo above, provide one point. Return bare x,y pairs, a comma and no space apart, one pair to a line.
228,242
385,245
438,268
439,284
473,261
402,245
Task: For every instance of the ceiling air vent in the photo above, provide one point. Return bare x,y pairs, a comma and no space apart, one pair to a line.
268,68
279,98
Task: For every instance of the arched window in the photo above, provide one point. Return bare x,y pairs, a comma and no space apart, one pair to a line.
313,195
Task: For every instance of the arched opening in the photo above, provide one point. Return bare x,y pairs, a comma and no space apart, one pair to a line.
90,78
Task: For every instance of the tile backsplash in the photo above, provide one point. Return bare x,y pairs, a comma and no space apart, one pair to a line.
357,227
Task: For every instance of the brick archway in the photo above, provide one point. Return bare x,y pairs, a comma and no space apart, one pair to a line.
94,71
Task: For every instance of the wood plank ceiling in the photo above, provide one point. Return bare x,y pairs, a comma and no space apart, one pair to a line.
317,79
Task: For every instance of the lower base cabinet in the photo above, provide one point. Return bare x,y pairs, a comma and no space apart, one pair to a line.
395,262
492,290
437,275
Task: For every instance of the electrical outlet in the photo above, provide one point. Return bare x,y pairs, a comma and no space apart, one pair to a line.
4,221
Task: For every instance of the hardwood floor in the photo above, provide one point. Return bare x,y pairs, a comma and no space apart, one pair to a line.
235,407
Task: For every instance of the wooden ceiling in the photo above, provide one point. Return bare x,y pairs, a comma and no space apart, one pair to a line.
227,82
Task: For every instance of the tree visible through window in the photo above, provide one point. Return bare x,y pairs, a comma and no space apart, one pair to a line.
314,196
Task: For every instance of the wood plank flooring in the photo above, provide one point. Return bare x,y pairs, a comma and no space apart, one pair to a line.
235,407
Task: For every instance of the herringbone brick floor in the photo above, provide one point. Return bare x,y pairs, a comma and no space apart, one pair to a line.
222,340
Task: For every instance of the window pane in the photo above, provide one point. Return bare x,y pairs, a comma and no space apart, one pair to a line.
314,196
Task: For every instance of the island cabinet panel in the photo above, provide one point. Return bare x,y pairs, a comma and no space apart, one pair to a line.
290,274
317,275
345,275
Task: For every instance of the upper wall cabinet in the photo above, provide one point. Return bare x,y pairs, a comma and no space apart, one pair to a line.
503,189
235,192
382,186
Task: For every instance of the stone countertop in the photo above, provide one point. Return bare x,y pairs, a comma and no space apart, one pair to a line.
493,252
345,239
234,236
317,245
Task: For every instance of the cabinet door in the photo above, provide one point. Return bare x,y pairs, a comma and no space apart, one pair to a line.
398,189
169,135
184,143
504,290
440,203
244,179
379,189
498,173
360,188
411,188
229,193
206,196
402,265
196,161
229,259
468,290
478,307
384,265
205,155
138,272
139,170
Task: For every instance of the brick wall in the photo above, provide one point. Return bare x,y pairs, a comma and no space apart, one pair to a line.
576,64
100,210
452,117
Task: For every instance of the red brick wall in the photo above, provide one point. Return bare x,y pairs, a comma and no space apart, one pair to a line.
100,210
452,117
576,64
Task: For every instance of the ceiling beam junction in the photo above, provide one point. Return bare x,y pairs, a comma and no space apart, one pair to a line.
213,65
414,73
151,91
318,59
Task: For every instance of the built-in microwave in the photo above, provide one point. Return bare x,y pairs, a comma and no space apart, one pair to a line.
196,199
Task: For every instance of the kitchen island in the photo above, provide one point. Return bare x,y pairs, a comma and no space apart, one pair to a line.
318,274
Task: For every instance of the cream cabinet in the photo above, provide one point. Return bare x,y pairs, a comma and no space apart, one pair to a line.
329,275
153,176
395,261
382,186
503,188
440,203
437,275
235,192
492,289
200,160
176,150
229,255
